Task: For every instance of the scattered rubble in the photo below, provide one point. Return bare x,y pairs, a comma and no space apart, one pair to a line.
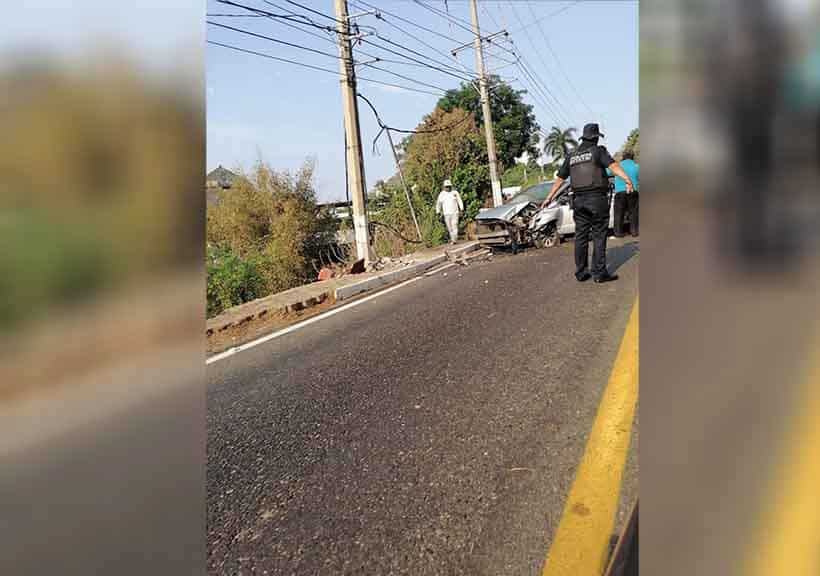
482,255
388,263
357,267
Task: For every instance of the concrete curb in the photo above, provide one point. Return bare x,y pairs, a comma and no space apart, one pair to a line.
259,309
395,276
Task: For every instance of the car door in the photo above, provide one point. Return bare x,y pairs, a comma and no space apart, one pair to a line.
566,220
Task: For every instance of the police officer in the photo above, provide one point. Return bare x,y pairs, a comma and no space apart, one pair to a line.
586,168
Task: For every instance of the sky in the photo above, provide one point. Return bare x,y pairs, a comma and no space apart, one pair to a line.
584,53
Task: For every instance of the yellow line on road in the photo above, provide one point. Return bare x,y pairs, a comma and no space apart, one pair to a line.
788,536
581,542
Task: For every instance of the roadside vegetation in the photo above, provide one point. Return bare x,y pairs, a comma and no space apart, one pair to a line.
264,236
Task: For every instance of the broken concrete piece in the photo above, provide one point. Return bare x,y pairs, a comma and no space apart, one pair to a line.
358,267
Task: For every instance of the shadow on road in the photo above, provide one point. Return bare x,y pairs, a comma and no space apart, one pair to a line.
617,256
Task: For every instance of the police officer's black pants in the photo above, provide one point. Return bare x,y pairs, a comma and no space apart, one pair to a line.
591,222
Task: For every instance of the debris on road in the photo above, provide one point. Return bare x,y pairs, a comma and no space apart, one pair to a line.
388,263
357,267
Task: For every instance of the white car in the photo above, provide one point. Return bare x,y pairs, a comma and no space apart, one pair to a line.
556,222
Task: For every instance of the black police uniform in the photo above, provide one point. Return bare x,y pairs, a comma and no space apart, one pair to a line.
586,167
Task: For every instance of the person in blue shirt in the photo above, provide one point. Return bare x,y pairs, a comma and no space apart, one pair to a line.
625,202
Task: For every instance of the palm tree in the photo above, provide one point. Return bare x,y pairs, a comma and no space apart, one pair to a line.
559,142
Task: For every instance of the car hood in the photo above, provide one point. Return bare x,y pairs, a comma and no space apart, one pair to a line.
505,212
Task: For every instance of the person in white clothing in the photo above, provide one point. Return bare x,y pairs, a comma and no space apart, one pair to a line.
450,205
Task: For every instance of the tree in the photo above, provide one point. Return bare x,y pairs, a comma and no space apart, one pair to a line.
633,144
447,145
271,219
559,142
514,124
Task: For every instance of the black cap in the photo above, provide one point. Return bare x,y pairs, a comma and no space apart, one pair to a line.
592,132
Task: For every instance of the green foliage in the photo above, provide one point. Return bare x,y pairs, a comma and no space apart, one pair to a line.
101,185
428,158
514,124
271,219
231,280
633,143
559,142
525,176
47,262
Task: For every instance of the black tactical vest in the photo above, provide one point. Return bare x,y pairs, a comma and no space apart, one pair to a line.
585,173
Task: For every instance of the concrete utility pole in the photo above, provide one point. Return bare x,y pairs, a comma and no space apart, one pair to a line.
355,159
485,107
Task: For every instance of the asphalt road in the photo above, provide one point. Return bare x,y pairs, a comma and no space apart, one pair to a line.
433,430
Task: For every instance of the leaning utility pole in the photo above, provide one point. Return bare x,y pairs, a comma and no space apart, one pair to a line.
355,160
485,107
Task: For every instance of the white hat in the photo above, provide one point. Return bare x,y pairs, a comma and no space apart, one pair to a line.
448,183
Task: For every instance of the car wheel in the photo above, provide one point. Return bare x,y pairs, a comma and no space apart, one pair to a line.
549,238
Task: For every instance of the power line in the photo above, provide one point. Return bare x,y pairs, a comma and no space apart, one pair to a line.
558,61
556,13
380,11
292,16
314,51
296,26
430,131
532,43
457,21
538,83
405,20
443,68
319,68
538,91
396,74
270,39
235,15
292,24
288,19
312,11
277,58
379,16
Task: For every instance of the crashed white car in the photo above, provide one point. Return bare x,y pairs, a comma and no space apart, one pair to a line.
549,226
522,222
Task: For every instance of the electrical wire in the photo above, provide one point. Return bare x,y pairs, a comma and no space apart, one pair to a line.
312,11
235,15
558,61
405,20
444,69
429,46
457,21
403,77
396,232
334,56
270,39
304,20
539,92
384,126
556,13
319,68
536,50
